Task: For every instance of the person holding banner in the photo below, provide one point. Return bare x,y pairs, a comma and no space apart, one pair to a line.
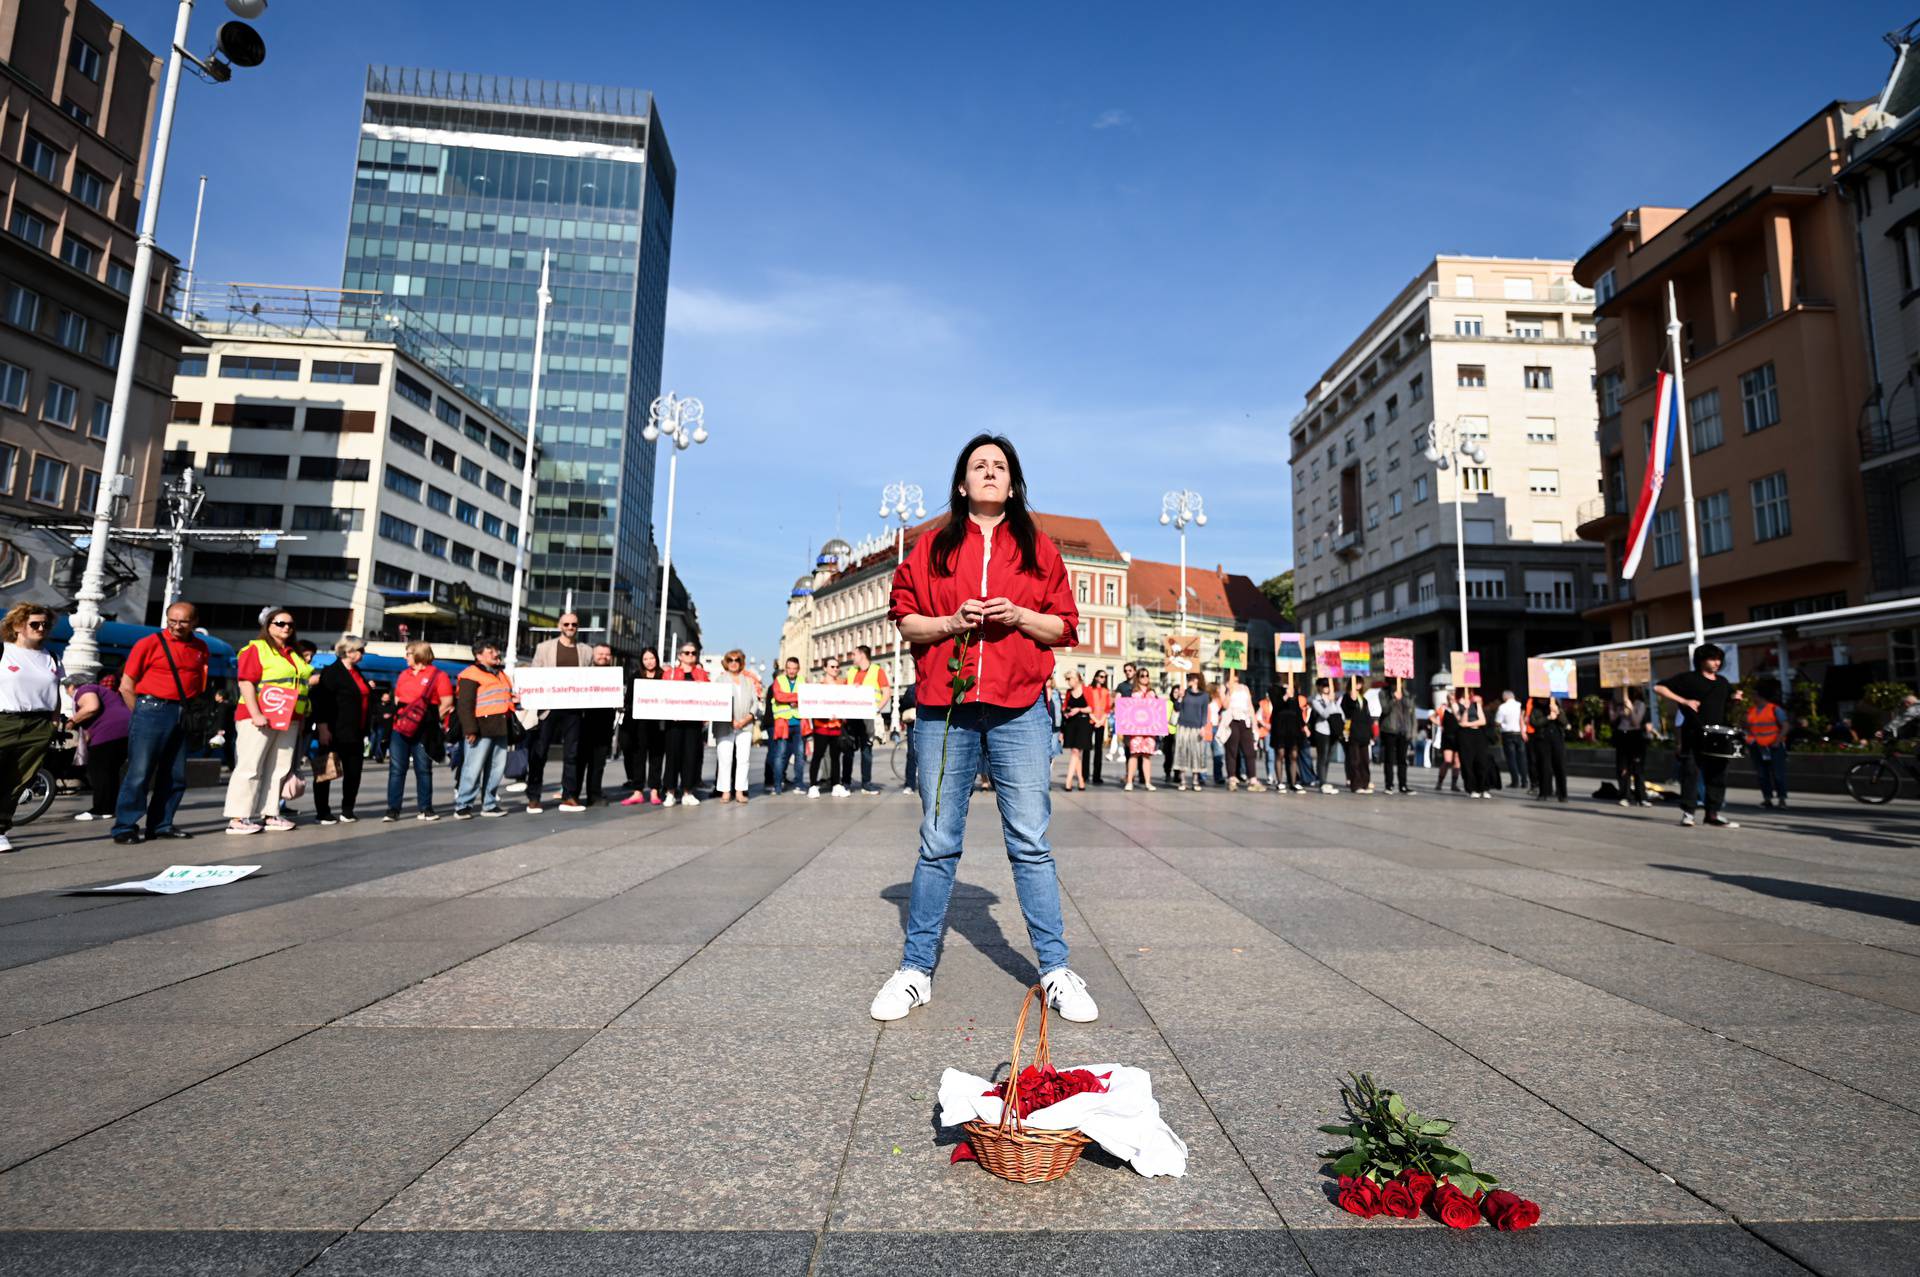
1358,711
686,742
1237,723
1140,747
1446,722
1550,749
735,743
1475,753
643,741
988,590
1328,728
830,746
273,703
865,674
1629,719
1290,716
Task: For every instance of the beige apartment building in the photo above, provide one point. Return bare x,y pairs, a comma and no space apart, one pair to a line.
1500,350
1778,384
405,488
77,93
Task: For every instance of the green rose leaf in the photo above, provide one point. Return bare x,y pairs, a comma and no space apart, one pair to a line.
1395,1105
1349,1165
954,664
1436,1127
1466,1182
1348,1131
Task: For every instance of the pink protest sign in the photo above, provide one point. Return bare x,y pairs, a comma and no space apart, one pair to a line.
1140,716
1326,660
1398,657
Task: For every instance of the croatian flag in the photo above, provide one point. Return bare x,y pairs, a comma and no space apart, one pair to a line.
1660,456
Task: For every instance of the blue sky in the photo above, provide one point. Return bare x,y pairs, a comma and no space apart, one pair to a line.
1128,235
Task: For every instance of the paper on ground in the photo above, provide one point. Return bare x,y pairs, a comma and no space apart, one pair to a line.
179,878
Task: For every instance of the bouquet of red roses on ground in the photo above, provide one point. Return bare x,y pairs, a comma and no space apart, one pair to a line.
1400,1164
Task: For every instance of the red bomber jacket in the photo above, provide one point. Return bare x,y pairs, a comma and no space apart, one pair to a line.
1011,668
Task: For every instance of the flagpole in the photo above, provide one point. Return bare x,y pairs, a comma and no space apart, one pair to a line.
1688,514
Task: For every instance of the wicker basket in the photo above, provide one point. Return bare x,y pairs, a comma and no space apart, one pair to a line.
1015,1151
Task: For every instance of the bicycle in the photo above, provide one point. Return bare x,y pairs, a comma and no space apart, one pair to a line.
1877,780
36,797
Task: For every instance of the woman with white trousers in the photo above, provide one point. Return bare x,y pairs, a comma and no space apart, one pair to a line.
736,741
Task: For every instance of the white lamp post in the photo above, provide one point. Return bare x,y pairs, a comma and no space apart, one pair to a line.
239,45
683,421
524,546
1449,448
1181,508
895,500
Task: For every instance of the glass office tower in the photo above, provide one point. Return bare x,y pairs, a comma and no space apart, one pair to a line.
461,181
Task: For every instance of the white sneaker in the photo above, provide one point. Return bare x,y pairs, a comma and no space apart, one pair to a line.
6,844
85,815
1625,803
667,801
1067,994
514,787
904,990
840,791
688,800
1686,819
569,806
1328,789
813,791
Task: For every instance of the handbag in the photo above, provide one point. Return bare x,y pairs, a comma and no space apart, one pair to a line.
1719,742
294,786
329,768
516,768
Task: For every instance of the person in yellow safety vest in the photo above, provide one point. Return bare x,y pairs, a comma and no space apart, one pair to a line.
866,674
483,700
266,727
789,729
1767,743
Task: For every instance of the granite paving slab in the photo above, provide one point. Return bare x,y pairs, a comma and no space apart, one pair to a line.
527,984
1650,1250
1866,1249
598,1254
316,1134
70,983
1210,1252
160,1253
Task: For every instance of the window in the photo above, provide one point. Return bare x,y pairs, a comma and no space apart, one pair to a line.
1486,583
1527,329
403,483
1610,385
470,470
1549,591
1426,588
1478,531
1666,538
1517,288
1603,289
1463,285
259,368
490,566
497,486
412,391
1422,537
120,278
462,556
1369,426
48,483
502,448
86,59
194,365
248,465
1393,409
42,157
447,412
89,495
1474,428
1373,473
1716,523
1419,488
346,469
23,308
322,567
475,431
1396,550
1467,326
491,524
30,228
102,417
388,577
326,518
346,373
239,514
469,513
407,437
1373,515
1548,531
89,187
71,331
60,405
337,421
1771,519
1110,592
443,456
13,386
440,500
78,113
1538,378
1473,376
1543,483
1703,421
394,528
110,348
1759,398
1476,478
240,563
434,543
9,462
1797,607
254,416
1541,430
1393,506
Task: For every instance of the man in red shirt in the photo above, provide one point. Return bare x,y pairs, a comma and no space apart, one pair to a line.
163,674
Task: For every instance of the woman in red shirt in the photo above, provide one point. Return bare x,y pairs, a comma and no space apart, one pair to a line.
424,684
987,590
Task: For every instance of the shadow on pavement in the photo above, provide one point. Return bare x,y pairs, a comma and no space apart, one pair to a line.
967,914
1897,908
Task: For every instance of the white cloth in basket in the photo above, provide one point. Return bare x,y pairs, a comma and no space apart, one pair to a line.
1124,1120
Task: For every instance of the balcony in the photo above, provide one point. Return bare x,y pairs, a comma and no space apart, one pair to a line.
1599,517
1350,544
1883,440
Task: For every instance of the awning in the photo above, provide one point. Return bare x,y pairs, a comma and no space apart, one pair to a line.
1886,614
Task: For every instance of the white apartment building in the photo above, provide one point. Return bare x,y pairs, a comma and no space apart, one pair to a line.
1500,349
405,487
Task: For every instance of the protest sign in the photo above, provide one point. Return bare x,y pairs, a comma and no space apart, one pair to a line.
1231,650
179,878
1290,654
682,701
1140,716
1465,667
1327,661
1553,676
577,687
1356,658
837,700
1629,667
1398,654
1183,653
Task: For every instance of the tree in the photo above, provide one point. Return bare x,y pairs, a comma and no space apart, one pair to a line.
1279,592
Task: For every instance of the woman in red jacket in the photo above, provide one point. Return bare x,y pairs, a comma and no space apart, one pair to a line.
991,580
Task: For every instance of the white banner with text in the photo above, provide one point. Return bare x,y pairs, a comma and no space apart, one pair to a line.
681,701
579,687
837,700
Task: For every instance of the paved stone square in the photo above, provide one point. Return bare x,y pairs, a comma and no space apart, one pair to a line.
636,1041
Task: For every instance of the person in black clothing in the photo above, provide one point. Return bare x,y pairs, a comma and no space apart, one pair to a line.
1398,726
1359,715
643,741
1704,695
342,708
1550,749
380,728
596,739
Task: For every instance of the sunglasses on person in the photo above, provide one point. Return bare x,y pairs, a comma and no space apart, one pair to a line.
37,625
569,625
281,625
689,651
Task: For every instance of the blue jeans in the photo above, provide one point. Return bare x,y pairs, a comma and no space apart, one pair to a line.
1771,762
412,753
913,756
1013,745
156,757
791,750
488,760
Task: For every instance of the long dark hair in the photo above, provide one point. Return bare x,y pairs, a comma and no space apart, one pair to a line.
657,672
946,542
